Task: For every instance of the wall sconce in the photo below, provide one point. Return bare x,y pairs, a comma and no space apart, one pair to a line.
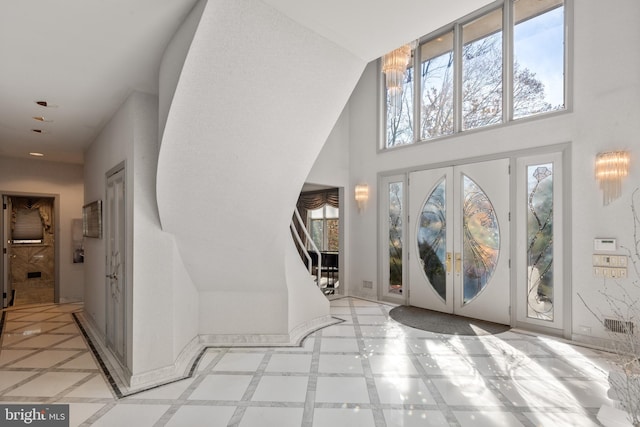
362,195
611,167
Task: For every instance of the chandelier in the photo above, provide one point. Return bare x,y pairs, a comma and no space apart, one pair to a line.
394,67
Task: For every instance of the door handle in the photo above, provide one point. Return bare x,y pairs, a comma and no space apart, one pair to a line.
458,262
448,262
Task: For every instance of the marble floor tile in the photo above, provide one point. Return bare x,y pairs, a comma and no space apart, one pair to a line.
339,345
10,378
486,419
414,418
367,371
466,391
403,391
385,346
549,392
339,331
340,364
447,365
340,310
221,387
272,417
36,341
75,343
44,359
201,416
281,389
239,362
392,365
95,388
342,390
48,384
289,363
7,356
561,419
372,320
170,391
131,415
84,361
305,347
80,412
343,417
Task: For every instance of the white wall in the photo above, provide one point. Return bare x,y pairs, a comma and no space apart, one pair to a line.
605,117
160,295
173,60
41,176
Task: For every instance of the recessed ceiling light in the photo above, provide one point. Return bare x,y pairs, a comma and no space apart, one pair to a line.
34,154
41,119
45,104
38,131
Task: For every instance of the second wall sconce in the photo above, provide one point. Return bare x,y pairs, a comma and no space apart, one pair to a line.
362,195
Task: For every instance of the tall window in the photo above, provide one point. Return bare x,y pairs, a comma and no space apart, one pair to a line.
538,44
540,241
464,82
399,112
482,75
436,81
324,227
395,237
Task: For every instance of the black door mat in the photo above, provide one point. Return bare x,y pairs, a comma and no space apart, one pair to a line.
444,323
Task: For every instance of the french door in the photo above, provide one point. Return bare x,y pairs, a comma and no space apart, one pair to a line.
459,240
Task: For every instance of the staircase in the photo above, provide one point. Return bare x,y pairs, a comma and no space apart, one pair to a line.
253,103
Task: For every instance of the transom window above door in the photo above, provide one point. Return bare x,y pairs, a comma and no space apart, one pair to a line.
499,66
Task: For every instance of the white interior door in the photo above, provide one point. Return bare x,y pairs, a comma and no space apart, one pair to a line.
115,227
459,257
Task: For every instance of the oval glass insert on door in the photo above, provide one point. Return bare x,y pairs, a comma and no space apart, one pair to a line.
432,239
480,238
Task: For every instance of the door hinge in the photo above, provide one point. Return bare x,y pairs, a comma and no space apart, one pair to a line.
509,262
4,250
509,169
509,310
4,206
509,216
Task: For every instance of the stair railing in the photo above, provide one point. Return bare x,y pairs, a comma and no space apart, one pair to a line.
303,247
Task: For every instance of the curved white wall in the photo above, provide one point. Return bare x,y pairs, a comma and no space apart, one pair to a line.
173,60
257,97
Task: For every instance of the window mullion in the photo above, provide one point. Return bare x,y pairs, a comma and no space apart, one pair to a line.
417,95
507,61
457,78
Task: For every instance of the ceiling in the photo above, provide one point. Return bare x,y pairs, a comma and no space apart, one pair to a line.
84,57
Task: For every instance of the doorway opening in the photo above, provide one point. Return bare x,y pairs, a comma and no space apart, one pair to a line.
29,268
321,211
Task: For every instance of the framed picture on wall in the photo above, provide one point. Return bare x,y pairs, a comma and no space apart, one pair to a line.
92,220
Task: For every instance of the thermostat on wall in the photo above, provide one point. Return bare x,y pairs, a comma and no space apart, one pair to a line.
604,244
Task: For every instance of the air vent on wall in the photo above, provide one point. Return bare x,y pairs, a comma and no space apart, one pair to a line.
619,326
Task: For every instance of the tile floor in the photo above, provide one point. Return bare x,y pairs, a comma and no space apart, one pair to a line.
367,371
